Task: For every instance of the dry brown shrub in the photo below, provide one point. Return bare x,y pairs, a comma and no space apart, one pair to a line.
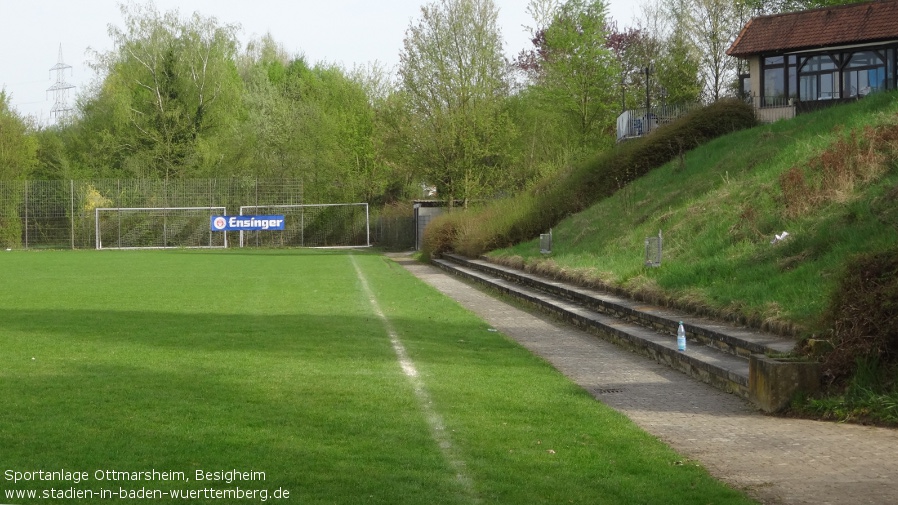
439,235
863,315
746,227
835,174
797,195
515,261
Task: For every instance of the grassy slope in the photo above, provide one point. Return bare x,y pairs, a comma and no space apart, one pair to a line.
720,206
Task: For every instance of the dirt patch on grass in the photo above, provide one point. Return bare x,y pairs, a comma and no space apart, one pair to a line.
832,176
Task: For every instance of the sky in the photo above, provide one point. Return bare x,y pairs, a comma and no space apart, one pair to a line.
345,32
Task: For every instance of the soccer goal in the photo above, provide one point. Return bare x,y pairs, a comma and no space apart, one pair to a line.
158,228
332,225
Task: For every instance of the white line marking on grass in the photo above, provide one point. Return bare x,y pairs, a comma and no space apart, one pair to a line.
437,428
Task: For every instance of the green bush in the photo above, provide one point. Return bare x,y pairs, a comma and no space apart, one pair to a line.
615,169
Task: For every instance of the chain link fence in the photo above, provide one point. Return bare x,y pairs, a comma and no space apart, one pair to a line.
394,233
60,214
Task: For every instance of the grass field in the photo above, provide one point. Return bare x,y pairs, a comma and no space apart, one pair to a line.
277,372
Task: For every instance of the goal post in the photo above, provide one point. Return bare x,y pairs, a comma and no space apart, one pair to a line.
158,228
329,225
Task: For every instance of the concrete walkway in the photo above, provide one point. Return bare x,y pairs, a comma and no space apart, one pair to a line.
775,460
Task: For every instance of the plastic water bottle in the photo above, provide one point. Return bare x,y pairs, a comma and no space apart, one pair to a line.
681,338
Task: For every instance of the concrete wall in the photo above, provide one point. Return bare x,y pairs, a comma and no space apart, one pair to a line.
757,87
772,383
771,114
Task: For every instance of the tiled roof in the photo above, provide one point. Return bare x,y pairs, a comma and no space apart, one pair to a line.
825,27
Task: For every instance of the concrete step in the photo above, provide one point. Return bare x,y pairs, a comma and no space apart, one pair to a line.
716,353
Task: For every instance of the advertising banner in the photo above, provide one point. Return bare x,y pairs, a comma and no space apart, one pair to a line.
246,223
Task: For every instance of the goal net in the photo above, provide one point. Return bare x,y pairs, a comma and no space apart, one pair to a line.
311,225
158,228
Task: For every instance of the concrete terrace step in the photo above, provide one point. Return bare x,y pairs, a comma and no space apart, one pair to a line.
717,353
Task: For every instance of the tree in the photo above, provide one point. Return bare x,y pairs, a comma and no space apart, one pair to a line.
393,141
340,126
313,123
18,145
454,82
678,71
18,155
675,60
168,86
545,142
52,163
575,70
717,25
632,49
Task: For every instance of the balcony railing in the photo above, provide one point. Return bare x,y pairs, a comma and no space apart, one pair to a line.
772,108
635,123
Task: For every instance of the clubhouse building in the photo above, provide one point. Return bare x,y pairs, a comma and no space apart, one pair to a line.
801,61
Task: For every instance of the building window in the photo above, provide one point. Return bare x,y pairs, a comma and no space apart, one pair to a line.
890,68
792,81
864,73
779,74
774,80
774,83
824,75
745,85
819,78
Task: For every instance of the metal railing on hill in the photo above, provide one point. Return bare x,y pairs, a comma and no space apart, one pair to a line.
639,122
772,108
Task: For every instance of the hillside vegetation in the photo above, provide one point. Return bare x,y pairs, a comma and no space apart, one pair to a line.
524,216
829,179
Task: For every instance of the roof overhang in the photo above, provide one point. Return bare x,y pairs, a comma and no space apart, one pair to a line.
850,25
